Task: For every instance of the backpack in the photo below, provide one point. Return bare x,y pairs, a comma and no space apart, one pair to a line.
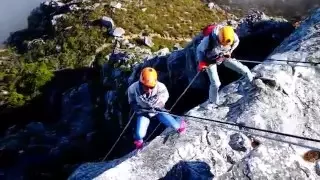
206,31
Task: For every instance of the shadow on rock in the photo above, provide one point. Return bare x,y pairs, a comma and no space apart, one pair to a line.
191,170
61,127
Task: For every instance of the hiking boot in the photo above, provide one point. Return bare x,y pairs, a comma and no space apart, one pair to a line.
139,144
183,126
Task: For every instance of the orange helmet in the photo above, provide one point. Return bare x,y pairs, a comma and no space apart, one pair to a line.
148,77
226,35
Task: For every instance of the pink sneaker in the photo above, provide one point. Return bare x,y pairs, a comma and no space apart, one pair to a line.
183,127
139,144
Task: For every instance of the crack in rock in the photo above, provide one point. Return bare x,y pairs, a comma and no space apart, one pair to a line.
207,135
246,171
317,167
230,160
303,169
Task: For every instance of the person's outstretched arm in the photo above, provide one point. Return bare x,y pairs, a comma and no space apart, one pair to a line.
201,49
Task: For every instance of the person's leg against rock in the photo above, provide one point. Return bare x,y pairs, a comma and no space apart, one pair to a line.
238,67
213,89
141,130
169,121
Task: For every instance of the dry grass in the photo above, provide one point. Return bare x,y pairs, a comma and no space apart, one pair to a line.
178,18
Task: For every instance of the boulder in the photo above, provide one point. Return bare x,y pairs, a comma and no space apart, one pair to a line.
115,4
148,41
292,109
251,24
107,22
162,52
189,171
177,46
117,32
36,128
53,4
4,92
77,110
56,18
239,142
211,5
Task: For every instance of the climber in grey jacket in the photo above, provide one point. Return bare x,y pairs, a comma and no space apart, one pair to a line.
214,49
149,93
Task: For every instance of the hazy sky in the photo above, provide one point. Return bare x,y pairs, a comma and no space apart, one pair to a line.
13,15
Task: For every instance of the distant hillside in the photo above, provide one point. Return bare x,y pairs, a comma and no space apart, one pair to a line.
63,34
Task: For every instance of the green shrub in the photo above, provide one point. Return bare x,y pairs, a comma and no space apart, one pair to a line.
160,43
33,77
16,99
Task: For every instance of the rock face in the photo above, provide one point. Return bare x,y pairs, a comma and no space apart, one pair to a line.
40,143
117,32
107,22
290,105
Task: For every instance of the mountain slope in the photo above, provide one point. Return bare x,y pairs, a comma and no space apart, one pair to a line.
289,105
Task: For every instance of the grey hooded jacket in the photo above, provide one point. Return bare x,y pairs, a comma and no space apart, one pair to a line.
137,97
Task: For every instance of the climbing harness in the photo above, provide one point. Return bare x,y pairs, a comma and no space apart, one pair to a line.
253,128
119,136
191,82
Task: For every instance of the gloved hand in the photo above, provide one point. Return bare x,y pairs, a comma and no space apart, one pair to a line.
202,65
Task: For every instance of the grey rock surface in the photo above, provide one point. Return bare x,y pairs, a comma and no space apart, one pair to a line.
317,167
292,106
77,110
107,22
117,32
115,4
148,41
162,52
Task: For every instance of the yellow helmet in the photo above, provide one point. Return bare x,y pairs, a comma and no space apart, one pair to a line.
226,35
149,77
